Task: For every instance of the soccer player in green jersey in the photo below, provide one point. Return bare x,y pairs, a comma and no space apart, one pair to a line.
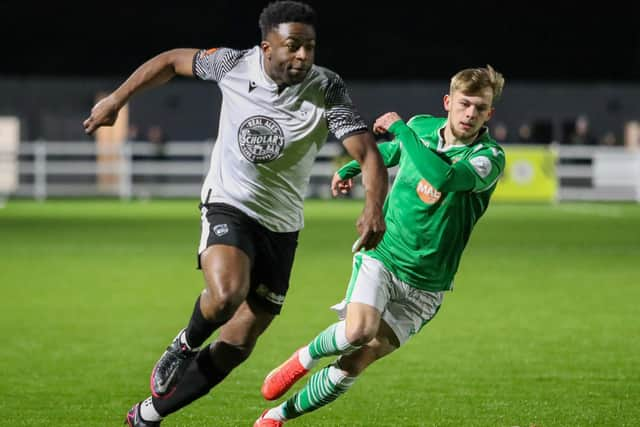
448,170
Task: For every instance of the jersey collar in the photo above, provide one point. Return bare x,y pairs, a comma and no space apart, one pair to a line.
483,134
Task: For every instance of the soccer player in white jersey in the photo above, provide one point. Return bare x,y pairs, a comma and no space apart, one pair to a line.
448,170
277,111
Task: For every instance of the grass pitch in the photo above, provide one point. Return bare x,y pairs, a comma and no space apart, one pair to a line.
542,328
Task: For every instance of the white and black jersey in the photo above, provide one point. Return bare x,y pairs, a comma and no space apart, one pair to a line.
268,139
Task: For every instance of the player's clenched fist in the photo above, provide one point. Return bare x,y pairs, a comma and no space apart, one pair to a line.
104,113
340,186
384,122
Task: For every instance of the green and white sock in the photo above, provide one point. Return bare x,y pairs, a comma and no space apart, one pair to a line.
305,359
322,388
332,341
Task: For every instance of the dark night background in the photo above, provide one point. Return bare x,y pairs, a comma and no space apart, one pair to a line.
527,41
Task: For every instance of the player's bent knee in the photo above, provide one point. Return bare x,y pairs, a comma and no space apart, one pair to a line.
360,333
222,303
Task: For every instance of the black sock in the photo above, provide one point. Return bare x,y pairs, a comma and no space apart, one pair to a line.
199,328
226,356
200,377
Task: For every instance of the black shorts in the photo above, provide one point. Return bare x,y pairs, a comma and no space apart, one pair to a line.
271,253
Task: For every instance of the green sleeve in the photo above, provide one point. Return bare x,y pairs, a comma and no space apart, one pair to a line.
440,174
485,165
390,152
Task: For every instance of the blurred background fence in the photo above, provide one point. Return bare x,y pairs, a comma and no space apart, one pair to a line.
45,169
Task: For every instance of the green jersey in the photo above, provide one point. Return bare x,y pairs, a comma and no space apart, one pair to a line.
437,197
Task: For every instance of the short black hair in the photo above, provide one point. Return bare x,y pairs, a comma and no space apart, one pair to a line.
278,12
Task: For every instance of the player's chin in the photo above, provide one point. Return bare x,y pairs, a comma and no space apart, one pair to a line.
296,75
467,131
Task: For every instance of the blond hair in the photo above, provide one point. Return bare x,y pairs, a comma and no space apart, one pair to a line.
475,80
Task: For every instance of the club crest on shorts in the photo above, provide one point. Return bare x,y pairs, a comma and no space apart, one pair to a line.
220,229
260,139
427,193
270,296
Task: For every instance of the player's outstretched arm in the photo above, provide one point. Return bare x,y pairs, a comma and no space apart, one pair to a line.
156,71
442,176
371,226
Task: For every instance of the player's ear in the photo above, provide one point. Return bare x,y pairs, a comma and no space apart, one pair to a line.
491,111
446,101
265,46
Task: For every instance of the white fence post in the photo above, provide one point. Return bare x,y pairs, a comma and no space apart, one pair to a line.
40,171
9,141
126,175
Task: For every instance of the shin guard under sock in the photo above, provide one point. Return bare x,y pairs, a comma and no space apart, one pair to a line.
199,328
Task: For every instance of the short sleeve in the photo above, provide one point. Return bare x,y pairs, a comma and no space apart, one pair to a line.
214,64
342,117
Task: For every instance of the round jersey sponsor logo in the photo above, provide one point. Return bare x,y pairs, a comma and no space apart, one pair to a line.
427,193
260,139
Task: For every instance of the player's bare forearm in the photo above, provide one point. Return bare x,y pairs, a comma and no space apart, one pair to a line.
371,226
375,180
156,71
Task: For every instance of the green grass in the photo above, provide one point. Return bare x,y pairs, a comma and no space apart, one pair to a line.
542,328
